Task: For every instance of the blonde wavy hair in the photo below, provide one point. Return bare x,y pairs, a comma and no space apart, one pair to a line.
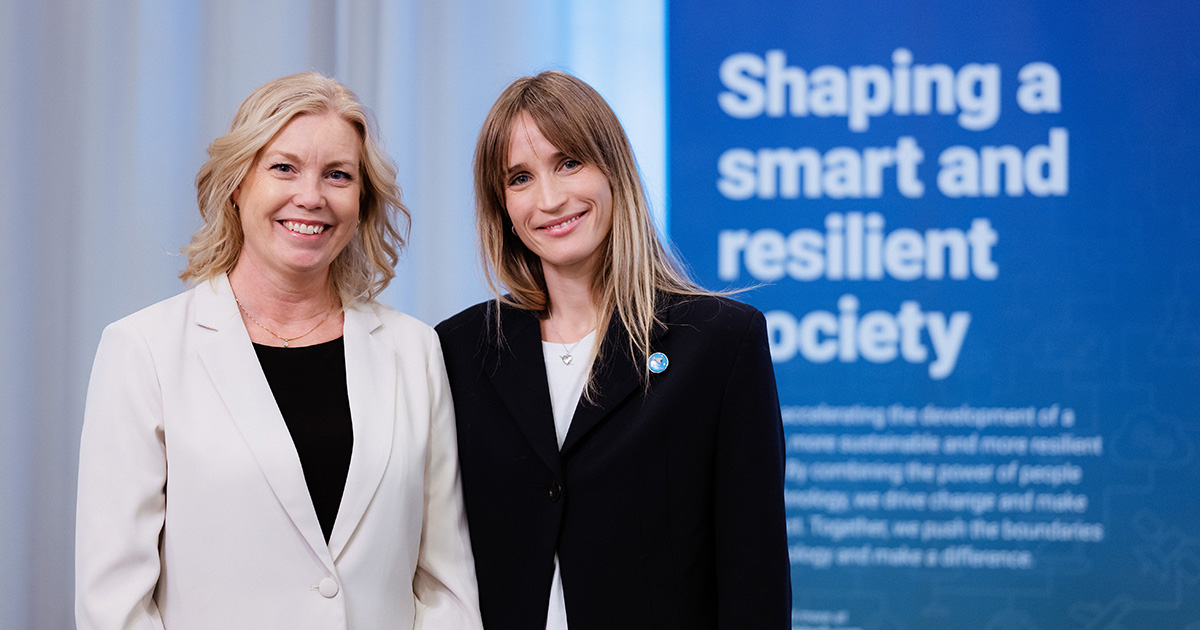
366,265
635,269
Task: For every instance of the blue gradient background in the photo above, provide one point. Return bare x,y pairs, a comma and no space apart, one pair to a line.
1097,303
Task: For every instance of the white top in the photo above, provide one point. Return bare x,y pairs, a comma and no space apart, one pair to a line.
566,388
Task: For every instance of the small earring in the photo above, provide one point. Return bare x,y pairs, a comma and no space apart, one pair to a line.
514,229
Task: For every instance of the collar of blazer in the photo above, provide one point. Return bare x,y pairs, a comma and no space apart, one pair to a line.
231,362
517,369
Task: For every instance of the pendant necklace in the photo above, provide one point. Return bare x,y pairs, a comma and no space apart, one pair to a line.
568,357
286,340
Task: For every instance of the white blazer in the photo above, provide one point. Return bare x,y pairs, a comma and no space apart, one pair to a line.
193,511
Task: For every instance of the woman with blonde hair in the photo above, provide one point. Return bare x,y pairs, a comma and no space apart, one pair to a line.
274,448
619,430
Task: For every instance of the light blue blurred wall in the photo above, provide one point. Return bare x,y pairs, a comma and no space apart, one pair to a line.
106,108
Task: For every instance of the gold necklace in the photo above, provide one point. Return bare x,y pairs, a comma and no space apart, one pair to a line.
286,340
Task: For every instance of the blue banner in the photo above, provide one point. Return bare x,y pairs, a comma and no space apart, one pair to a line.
973,230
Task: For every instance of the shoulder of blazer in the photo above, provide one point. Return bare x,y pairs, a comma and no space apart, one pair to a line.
474,330
715,314
162,321
467,322
395,327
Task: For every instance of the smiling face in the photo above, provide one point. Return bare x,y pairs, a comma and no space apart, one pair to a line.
560,206
299,203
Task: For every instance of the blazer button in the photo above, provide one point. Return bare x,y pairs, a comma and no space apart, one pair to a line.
328,587
555,492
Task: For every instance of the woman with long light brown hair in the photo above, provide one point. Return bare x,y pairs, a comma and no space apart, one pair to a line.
619,430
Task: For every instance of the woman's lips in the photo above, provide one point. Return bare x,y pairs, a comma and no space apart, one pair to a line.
564,224
300,227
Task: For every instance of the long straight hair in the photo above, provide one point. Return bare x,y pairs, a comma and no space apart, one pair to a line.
635,269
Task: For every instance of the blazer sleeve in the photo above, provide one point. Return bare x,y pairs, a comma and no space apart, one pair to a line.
444,583
753,571
121,498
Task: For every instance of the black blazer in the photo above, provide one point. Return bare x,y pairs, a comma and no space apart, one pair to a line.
665,506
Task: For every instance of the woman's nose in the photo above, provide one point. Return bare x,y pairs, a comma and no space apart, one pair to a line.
309,193
550,194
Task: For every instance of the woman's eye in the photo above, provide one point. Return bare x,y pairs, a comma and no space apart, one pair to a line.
283,168
571,165
518,180
341,176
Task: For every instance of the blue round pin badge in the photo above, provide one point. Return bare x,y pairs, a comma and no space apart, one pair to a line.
658,362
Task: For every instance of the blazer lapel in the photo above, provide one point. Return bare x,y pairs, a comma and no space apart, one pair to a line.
233,366
517,369
616,377
371,384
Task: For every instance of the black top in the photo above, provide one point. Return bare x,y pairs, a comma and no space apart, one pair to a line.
309,384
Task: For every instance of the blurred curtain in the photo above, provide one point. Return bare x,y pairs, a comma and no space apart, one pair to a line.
106,108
